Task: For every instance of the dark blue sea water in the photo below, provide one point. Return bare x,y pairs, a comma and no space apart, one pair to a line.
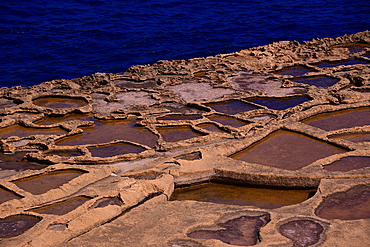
41,40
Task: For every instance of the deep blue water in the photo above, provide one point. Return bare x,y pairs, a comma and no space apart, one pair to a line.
45,40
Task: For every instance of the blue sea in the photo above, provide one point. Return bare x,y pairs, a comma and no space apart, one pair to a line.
45,40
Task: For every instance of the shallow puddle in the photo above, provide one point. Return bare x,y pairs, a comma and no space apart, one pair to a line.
190,156
115,149
358,137
328,64
184,117
242,231
107,131
231,107
65,153
210,127
340,119
62,207
104,202
302,232
57,227
318,81
286,150
267,198
40,184
348,164
280,103
15,161
262,117
60,102
7,195
16,225
47,120
294,71
228,121
354,47
177,133
352,204
20,131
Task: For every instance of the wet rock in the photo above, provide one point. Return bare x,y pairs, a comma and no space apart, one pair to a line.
57,227
199,91
303,232
184,243
270,86
104,202
242,231
190,156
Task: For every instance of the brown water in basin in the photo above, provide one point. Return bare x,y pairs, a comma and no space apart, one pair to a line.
177,133
358,137
232,107
340,119
328,64
107,131
40,184
60,102
241,195
348,164
318,81
242,231
352,204
210,127
302,232
65,153
62,207
184,117
20,131
15,161
294,71
280,103
354,47
115,149
15,225
228,121
286,150
47,120
7,195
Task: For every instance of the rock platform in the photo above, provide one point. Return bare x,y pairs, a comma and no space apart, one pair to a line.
107,159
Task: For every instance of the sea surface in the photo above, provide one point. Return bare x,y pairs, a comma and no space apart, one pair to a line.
45,40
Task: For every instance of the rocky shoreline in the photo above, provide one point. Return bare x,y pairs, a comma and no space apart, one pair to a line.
289,115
